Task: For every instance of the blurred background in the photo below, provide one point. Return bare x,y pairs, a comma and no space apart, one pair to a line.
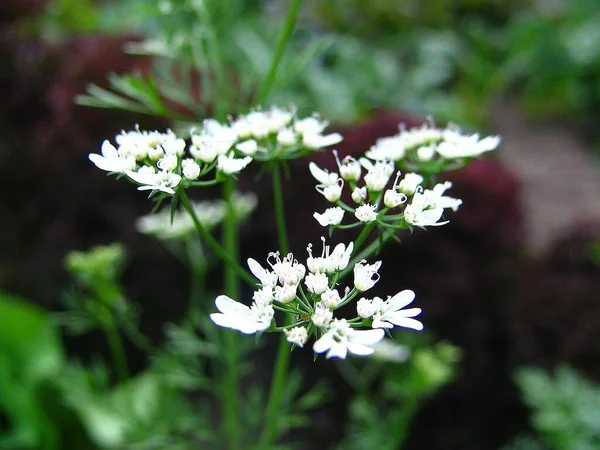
513,281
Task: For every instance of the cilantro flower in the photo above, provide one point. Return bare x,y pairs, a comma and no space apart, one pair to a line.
341,339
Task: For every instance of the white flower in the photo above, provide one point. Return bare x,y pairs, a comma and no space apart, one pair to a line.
288,270
190,169
427,206
285,293
146,169
141,144
168,163
366,213
333,192
309,125
265,277
174,146
329,262
322,316
316,141
263,296
156,153
297,336
248,147
286,137
365,275
365,308
387,148
202,150
425,153
419,136
239,317
317,283
392,198
359,195
339,258
324,177
387,350
420,213
390,312
409,183
341,339
436,197
161,181
331,298
349,167
230,165
217,135
111,160
378,174
457,145
209,213
331,216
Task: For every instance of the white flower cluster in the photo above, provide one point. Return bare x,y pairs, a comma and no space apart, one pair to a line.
159,162
413,206
209,213
282,288
427,143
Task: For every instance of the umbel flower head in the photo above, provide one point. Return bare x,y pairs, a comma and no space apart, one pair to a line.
159,162
280,286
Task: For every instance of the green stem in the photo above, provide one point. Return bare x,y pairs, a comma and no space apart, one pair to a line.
367,252
232,289
116,350
362,236
197,263
401,420
282,361
216,59
279,210
222,253
288,28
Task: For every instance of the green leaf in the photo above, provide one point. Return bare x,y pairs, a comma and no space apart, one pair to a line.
29,341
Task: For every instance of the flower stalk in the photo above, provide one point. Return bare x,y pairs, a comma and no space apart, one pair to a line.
288,28
282,360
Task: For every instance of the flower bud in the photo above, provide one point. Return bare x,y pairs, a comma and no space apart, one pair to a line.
359,195
190,169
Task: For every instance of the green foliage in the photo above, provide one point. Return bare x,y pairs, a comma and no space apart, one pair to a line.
31,360
391,393
565,408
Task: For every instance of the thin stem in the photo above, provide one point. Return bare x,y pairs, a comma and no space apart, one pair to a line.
225,256
401,421
214,52
367,252
362,236
283,352
116,350
232,289
279,210
288,28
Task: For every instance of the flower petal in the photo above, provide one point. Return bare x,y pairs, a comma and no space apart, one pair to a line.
240,323
400,300
365,337
323,344
109,151
405,322
258,271
320,175
229,306
359,349
338,350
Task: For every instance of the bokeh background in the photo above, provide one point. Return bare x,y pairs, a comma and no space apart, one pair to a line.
513,280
